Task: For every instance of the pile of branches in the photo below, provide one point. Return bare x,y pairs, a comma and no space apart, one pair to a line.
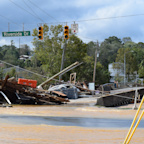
22,94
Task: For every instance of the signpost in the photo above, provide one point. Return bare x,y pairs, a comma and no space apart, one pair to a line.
16,34
74,28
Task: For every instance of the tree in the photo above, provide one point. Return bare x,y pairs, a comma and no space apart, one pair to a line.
126,39
134,55
24,50
91,48
108,50
1,73
49,51
12,72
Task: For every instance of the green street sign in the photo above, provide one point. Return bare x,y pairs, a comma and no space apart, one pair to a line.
16,34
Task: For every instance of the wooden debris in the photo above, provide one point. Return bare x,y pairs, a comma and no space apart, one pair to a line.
23,94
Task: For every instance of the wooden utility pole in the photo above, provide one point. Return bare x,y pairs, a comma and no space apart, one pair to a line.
94,72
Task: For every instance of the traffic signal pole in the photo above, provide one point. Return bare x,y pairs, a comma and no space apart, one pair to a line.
63,57
66,37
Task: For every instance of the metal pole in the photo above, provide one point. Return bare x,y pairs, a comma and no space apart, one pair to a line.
62,62
8,27
135,101
19,44
6,98
124,69
23,26
136,78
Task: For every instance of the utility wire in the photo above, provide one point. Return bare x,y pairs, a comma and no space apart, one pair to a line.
23,9
23,69
96,19
10,20
85,19
111,17
43,11
32,10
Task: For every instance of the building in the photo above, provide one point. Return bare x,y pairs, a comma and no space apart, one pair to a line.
24,57
116,72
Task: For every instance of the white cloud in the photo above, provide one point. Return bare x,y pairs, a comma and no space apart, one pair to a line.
89,3
4,42
120,27
65,11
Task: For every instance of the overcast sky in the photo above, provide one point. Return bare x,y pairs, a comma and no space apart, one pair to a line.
96,19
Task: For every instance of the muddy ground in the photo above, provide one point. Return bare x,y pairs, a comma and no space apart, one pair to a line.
17,133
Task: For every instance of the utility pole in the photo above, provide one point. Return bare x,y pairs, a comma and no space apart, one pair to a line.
94,72
63,56
23,26
124,69
8,27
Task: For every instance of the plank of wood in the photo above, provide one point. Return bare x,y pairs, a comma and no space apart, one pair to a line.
59,93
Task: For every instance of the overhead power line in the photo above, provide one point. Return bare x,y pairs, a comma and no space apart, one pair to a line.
32,10
10,20
96,19
111,17
24,9
43,11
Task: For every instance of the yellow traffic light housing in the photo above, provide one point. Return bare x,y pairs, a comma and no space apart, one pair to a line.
40,36
66,32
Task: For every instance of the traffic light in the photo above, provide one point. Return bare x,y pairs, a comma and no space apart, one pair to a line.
66,32
40,33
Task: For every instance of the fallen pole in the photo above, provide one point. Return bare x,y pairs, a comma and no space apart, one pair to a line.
6,98
61,72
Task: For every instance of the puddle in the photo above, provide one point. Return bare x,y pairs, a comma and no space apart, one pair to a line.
69,121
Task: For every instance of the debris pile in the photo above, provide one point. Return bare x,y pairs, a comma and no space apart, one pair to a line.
14,93
26,91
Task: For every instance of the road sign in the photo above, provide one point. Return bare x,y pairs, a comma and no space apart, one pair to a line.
74,28
16,34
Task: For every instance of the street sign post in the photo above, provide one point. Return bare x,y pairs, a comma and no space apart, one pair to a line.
74,28
16,34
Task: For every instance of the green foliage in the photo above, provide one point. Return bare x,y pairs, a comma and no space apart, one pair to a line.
108,50
12,72
48,52
47,56
134,55
91,48
33,76
24,50
141,69
102,75
126,39
1,73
